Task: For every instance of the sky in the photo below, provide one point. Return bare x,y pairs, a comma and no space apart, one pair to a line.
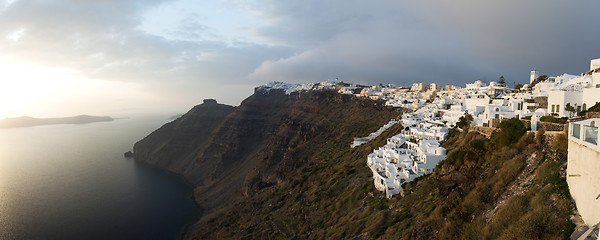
123,57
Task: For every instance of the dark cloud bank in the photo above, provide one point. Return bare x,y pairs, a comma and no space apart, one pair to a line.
449,42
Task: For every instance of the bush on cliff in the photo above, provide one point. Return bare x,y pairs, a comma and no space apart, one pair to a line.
510,132
553,119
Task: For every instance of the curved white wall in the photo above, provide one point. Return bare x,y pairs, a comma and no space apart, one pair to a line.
583,177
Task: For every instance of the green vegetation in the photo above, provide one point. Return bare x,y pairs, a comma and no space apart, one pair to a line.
553,119
483,190
538,80
510,132
518,86
595,108
464,122
570,109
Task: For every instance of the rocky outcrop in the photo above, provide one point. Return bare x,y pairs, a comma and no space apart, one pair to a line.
169,146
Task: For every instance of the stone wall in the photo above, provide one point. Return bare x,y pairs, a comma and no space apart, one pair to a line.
549,134
542,102
552,126
546,125
486,131
592,115
495,123
527,124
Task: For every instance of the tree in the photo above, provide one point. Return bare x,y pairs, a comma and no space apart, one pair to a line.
542,78
518,86
538,80
465,121
570,109
501,81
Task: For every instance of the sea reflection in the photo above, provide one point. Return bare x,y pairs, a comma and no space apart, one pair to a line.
72,182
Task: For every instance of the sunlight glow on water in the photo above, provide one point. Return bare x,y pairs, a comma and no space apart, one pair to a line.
72,182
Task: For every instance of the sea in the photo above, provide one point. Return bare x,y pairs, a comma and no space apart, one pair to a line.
73,182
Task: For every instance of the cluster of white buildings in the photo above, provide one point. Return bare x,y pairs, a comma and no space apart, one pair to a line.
416,151
289,88
433,109
493,102
412,153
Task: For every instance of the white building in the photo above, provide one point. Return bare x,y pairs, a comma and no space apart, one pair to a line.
428,154
434,87
429,132
476,85
419,87
401,161
583,169
581,92
557,100
594,64
389,168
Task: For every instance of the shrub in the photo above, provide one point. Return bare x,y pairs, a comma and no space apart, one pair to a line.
510,132
553,119
507,215
451,133
539,137
464,122
560,143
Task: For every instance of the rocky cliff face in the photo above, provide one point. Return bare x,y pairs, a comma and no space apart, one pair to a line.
281,166
231,153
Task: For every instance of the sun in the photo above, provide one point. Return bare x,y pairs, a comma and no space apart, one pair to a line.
23,86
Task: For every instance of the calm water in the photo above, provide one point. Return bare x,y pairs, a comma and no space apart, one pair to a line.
72,182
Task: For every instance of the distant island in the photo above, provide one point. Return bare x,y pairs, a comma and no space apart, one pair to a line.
20,122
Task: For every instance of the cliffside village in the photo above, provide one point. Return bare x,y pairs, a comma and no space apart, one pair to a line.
430,110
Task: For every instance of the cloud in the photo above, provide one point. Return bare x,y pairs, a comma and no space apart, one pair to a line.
431,41
103,40
301,41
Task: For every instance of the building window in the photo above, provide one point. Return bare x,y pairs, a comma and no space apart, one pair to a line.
553,108
591,134
584,107
575,130
557,108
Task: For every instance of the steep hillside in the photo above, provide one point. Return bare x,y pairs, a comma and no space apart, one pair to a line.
230,154
510,187
173,143
280,166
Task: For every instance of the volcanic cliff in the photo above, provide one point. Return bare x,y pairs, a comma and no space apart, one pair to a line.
281,166
229,153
